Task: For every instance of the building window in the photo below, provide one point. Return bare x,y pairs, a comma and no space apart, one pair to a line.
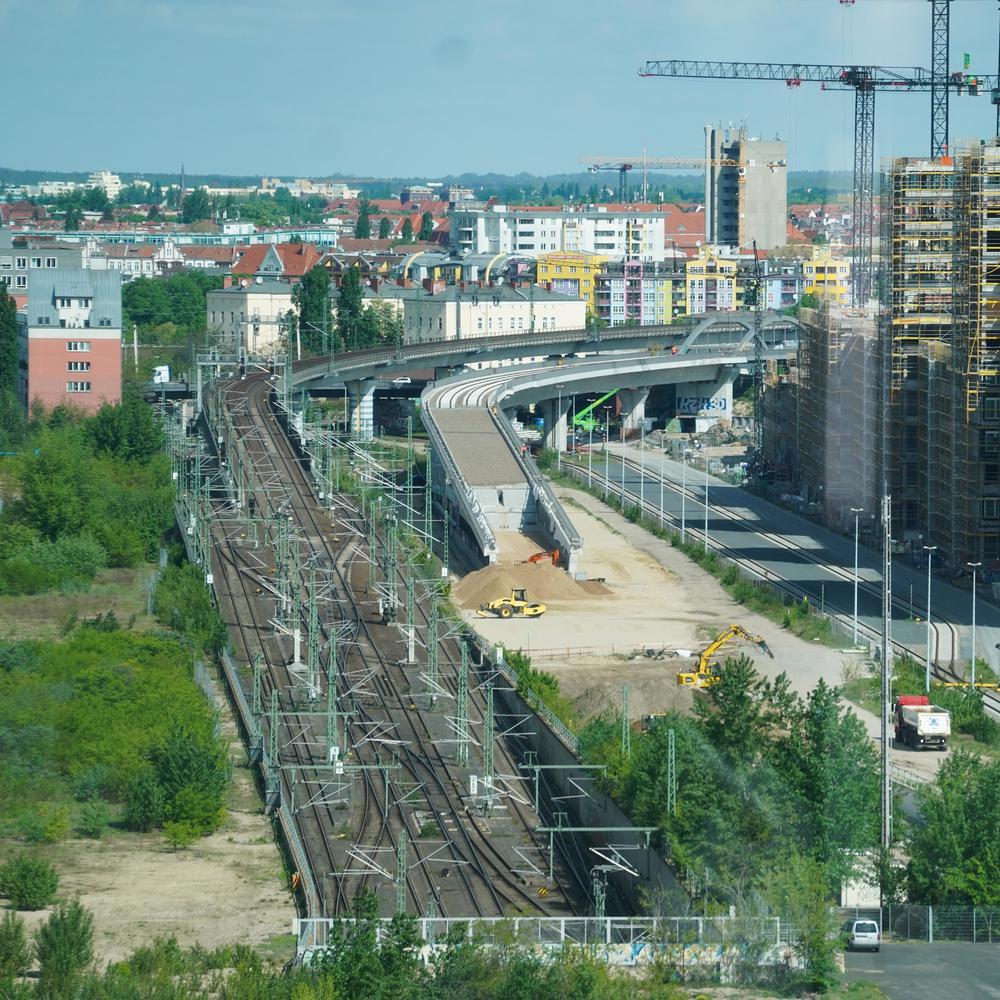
50,262
479,323
78,366
6,263
77,345
64,303
20,281
36,261
21,263
991,408
78,387
990,508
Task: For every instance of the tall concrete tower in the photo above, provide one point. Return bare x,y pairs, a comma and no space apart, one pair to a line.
747,199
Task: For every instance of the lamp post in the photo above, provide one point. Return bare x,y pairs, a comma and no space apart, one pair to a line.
557,423
663,451
974,566
706,503
642,467
684,469
590,456
607,456
856,511
929,549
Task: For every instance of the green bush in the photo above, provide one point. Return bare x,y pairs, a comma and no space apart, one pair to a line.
56,825
197,808
64,947
94,818
20,576
180,835
29,882
143,801
15,952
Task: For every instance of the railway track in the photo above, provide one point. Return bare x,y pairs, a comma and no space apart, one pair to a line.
459,862
946,639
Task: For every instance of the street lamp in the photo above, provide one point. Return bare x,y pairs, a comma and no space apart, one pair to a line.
663,451
973,566
684,469
607,456
857,512
557,423
706,502
929,549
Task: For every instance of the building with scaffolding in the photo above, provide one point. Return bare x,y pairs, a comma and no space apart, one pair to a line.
941,310
822,417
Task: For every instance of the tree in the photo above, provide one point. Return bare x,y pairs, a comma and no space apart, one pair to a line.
350,304
809,300
383,227
143,801
128,430
15,952
363,227
954,852
406,236
426,233
9,352
311,296
64,947
29,882
193,774
196,206
73,219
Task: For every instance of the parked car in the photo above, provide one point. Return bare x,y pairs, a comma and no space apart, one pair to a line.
863,935
402,380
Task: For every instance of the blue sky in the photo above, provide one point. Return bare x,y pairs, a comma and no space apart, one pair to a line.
310,87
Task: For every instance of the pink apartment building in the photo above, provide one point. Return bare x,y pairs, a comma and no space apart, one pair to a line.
71,339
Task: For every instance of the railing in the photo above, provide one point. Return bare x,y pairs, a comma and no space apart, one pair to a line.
466,497
556,932
910,922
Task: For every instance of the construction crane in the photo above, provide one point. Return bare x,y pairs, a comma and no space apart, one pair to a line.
865,81
623,164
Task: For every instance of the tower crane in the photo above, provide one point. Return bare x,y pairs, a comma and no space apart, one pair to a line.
623,164
864,81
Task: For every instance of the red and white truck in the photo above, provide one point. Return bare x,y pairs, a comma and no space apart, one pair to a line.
920,724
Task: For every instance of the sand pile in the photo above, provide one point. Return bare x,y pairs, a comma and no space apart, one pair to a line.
542,581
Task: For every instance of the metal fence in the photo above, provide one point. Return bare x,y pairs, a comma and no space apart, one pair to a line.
909,922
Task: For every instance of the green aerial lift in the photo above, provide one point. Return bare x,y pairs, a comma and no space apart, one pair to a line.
584,420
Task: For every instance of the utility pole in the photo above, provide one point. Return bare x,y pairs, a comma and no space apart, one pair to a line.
671,773
626,724
462,710
886,669
401,872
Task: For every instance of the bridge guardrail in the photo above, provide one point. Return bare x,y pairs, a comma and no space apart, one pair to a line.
467,498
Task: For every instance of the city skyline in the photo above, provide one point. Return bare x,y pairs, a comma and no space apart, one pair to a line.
435,92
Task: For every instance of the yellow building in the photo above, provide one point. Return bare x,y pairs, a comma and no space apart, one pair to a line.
712,283
572,274
827,277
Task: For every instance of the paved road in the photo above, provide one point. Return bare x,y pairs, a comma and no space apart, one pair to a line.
828,582
915,971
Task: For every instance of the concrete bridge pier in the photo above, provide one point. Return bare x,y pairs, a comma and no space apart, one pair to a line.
633,404
361,408
556,422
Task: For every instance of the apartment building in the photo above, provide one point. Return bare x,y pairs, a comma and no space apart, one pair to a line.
452,312
827,277
251,315
643,294
615,232
712,283
70,339
22,257
746,189
571,274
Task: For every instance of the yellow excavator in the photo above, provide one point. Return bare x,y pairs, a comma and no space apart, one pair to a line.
508,607
706,675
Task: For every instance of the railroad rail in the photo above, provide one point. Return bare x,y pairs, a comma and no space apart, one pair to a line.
412,821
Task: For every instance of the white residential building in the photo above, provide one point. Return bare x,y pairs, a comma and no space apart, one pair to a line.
251,314
615,233
110,183
455,313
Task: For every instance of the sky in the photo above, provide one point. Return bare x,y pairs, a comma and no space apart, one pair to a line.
393,88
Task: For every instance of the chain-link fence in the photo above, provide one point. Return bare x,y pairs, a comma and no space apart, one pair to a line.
908,922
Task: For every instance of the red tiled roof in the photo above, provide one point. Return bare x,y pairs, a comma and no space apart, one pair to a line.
251,258
795,235
297,258
222,255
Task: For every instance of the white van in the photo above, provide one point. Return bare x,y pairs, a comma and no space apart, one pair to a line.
863,935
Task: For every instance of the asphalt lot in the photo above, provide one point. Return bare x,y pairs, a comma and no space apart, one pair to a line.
915,971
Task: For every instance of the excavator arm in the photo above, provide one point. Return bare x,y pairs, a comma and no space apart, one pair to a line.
706,674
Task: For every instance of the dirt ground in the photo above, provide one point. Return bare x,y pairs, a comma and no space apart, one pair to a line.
657,600
224,889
